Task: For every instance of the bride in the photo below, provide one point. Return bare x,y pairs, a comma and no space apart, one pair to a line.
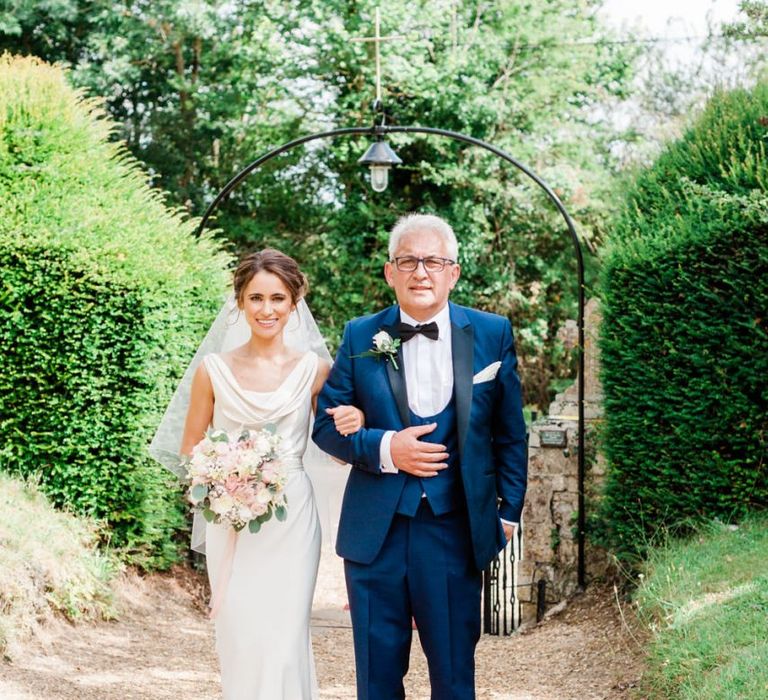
262,622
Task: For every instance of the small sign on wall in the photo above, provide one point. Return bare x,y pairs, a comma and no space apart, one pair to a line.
553,437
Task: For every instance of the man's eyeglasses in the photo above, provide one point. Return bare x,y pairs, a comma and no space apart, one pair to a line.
409,263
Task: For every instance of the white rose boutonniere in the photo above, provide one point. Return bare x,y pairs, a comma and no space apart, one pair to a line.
384,345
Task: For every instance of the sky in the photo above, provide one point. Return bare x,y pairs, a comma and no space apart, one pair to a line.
670,17
681,26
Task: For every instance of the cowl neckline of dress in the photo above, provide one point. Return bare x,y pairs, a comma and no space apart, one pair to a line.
245,406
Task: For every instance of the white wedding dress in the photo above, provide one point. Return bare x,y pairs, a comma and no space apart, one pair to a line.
262,626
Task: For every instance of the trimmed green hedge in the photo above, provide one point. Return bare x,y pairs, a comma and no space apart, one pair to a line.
685,331
104,296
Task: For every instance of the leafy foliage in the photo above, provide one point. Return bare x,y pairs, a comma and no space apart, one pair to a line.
202,88
105,296
500,73
685,337
756,24
191,84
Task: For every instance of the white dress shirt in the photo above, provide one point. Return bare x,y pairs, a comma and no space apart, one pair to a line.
428,368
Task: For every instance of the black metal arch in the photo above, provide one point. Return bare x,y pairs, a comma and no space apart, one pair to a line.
382,130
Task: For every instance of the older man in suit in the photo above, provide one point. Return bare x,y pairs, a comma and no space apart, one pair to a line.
438,473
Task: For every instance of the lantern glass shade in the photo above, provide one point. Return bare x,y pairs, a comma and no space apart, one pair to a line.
379,177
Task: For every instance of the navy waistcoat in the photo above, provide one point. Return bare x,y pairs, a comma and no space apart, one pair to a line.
444,491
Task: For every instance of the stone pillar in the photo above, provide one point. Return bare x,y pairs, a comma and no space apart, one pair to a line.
550,545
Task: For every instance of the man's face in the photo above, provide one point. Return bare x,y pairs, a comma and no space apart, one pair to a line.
421,293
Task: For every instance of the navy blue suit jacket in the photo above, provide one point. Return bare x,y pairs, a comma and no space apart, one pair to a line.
490,425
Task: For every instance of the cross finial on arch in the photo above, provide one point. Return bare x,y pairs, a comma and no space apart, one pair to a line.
377,39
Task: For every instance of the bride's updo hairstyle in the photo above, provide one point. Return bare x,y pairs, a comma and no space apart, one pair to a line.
275,262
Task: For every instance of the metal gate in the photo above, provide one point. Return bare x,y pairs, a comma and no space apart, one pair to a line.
501,606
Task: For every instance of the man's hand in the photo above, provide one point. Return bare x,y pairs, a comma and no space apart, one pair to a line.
347,419
413,456
509,529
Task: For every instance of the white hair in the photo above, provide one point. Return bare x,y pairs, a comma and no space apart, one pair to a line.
421,222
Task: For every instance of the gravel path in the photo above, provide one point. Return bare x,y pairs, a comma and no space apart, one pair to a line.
162,647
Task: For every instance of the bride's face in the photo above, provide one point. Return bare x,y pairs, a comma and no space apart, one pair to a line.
266,304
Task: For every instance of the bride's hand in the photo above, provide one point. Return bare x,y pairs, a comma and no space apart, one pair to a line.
347,419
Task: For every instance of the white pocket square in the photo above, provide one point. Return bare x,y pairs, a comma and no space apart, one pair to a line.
487,373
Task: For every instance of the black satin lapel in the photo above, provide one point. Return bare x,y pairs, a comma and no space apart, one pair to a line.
397,382
462,349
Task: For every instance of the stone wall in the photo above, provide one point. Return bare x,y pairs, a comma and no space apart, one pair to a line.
549,540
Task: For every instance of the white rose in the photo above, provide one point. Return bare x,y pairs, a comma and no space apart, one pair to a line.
382,341
221,504
205,446
262,446
229,463
264,496
249,461
221,448
244,513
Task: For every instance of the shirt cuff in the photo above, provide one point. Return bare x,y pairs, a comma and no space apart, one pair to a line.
509,522
385,458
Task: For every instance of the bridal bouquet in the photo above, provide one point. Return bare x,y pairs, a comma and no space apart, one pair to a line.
236,478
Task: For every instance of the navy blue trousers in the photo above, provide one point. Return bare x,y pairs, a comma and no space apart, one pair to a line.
425,569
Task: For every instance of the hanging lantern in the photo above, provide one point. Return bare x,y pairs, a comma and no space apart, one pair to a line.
380,157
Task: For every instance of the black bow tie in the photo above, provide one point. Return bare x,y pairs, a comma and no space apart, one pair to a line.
406,331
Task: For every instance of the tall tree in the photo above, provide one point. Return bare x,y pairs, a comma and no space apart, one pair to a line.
754,26
194,84
525,76
203,86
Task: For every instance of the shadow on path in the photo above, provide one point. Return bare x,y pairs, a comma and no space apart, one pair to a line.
163,647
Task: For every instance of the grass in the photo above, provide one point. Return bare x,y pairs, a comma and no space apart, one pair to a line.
706,602
49,565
